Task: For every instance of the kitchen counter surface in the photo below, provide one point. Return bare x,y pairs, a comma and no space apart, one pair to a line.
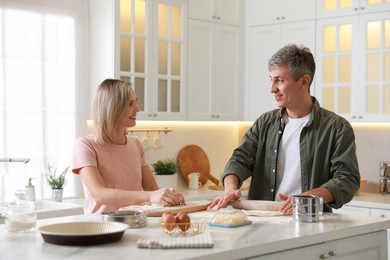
265,235
372,200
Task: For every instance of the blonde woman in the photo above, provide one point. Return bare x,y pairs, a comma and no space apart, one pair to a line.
112,165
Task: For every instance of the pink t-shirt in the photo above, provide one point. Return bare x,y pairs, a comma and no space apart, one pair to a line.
119,165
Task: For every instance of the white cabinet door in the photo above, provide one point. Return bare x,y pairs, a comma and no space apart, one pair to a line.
220,11
383,213
261,43
214,70
261,12
366,246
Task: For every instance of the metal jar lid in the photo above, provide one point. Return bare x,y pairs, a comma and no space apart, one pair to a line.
134,219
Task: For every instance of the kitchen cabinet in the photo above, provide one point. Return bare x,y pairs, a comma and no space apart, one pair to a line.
261,43
261,12
366,246
339,8
214,71
266,32
219,11
151,54
353,61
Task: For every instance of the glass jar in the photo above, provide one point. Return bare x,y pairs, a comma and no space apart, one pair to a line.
21,215
384,169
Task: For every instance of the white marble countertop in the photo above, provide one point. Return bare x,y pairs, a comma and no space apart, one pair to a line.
265,235
371,200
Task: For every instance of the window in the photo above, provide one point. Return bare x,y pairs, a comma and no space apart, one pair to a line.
42,79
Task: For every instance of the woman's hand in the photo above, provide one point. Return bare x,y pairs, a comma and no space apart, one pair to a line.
167,197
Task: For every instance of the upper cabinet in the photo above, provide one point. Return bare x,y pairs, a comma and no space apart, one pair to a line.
353,65
260,12
220,11
270,26
151,54
214,61
334,8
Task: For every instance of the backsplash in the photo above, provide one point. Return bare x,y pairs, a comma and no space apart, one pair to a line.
218,140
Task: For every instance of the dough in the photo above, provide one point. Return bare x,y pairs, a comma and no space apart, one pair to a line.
231,218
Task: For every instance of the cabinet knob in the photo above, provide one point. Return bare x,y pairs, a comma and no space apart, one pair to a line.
355,9
154,115
283,17
362,8
278,18
332,253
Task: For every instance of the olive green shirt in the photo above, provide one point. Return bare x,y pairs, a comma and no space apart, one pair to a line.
327,155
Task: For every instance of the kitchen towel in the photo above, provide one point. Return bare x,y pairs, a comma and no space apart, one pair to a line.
198,241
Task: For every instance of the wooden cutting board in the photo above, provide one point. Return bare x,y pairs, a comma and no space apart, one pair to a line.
158,210
192,158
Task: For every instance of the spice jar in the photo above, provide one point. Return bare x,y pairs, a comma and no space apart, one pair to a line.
382,185
21,215
384,169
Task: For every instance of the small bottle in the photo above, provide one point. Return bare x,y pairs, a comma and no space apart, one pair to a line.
21,215
30,189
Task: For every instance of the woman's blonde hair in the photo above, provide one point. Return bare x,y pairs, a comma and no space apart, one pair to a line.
111,99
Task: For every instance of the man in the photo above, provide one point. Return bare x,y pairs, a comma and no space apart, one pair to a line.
300,148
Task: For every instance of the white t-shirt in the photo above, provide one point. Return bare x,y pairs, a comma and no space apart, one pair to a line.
288,179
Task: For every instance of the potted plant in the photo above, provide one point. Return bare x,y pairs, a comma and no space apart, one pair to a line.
165,172
56,182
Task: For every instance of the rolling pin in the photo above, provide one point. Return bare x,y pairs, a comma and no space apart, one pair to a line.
266,205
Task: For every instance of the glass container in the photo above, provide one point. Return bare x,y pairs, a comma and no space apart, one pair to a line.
21,215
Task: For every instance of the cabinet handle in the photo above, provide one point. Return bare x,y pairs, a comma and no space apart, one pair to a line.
324,256
332,253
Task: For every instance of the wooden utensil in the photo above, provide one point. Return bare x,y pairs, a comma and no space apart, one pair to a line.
158,210
192,158
257,204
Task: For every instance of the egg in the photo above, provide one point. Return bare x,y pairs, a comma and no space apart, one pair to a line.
183,221
168,221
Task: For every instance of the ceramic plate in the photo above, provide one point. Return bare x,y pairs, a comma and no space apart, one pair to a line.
83,233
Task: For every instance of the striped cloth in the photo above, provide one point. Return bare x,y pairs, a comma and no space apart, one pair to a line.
198,241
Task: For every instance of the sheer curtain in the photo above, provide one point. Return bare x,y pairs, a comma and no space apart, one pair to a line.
43,89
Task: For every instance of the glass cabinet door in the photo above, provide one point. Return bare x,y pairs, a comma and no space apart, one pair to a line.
151,55
336,65
133,37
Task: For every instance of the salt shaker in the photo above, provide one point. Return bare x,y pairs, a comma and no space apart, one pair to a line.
21,215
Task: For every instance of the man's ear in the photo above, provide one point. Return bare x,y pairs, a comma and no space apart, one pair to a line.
306,80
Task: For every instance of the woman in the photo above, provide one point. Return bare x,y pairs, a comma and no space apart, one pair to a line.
113,166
